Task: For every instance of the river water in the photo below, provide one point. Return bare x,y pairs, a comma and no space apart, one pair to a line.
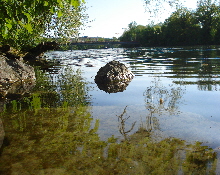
165,121
186,79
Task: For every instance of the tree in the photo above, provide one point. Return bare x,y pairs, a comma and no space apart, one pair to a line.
156,6
140,33
24,23
129,34
133,33
181,28
132,30
217,35
208,16
152,35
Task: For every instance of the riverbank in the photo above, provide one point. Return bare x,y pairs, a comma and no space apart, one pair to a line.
17,68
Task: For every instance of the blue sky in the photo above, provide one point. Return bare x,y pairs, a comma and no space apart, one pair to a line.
110,17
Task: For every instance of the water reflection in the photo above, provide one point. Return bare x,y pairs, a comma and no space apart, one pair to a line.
53,131
47,140
62,141
196,65
160,98
121,125
113,87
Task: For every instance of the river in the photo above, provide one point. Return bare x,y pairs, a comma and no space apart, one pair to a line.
193,72
174,94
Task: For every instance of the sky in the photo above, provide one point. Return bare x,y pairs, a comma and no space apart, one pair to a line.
109,18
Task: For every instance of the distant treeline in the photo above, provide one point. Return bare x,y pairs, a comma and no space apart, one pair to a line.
183,27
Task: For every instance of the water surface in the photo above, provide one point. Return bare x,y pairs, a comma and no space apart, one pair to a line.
193,72
165,122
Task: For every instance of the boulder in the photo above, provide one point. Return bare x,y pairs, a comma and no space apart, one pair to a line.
16,77
113,77
114,71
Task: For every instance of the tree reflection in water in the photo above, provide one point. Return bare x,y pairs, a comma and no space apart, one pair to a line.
161,100
121,125
43,139
147,155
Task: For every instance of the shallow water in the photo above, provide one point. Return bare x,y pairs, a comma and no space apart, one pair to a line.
194,71
152,127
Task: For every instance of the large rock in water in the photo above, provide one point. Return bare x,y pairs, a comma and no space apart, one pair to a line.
15,76
113,77
114,71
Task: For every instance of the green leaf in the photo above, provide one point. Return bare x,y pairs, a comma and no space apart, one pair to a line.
9,26
29,19
60,3
60,13
96,125
75,3
52,10
112,139
28,16
46,3
29,28
5,34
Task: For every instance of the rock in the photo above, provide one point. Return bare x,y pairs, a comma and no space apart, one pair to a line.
113,77
114,71
15,76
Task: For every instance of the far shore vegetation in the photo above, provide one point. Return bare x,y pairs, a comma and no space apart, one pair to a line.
184,27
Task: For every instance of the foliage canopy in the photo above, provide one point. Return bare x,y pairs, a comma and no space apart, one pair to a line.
24,23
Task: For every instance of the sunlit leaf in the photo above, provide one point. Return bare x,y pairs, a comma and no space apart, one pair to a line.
60,13
28,16
29,28
52,9
46,3
5,34
75,3
9,26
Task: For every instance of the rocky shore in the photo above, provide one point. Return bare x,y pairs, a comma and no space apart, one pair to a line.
17,76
